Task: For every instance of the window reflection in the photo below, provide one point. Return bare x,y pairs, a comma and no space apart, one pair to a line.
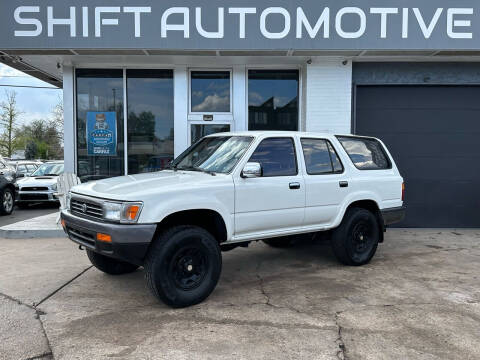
210,91
99,91
200,130
273,99
150,120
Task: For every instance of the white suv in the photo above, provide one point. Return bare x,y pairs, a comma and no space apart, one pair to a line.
230,189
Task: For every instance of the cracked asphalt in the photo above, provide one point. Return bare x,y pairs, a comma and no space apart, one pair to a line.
418,299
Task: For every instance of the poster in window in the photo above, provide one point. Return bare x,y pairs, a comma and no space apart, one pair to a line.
102,133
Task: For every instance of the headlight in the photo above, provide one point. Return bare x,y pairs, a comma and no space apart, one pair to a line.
122,212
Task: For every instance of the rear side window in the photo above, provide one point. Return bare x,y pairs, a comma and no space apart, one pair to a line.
365,153
276,156
320,157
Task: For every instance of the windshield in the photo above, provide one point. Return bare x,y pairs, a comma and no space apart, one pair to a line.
217,154
53,169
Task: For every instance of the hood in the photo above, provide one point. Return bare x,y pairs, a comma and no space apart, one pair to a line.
37,181
137,187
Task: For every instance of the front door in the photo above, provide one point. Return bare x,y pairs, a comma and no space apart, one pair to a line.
274,202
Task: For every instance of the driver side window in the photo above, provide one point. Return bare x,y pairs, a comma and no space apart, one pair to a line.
277,157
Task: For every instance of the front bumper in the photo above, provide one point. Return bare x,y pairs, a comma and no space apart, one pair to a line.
129,242
393,215
36,196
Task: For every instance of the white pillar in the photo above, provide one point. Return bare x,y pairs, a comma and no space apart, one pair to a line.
69,139
180,81
329,96
240,115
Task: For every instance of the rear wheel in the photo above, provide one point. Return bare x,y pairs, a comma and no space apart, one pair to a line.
7,201
183,266
355,241
109,265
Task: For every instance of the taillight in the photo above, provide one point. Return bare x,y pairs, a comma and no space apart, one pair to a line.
403,191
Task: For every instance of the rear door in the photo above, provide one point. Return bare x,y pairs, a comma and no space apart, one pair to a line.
326,181
274,202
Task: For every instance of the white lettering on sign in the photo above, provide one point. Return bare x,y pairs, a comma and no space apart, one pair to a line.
185,26
351,34
383,12
271,22
99,21
452,23
22,21
286,21
242,12
209,34
137,11
323,20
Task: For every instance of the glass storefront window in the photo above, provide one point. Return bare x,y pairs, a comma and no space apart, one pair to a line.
150,120
210,92
273,99
100,118
200,130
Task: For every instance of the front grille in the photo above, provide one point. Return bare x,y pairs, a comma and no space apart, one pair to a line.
82,237
34,189
33,197
86,208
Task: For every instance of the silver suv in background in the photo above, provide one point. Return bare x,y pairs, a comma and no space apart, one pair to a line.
40,186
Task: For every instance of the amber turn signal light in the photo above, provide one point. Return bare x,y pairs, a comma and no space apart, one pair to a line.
104,238
132,212
63,223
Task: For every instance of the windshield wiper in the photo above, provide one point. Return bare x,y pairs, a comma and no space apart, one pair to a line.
192,168
49,175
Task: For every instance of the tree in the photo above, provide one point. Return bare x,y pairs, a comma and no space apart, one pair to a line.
9,114
46,137
31,150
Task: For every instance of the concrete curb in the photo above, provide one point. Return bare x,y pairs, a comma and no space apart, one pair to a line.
32,234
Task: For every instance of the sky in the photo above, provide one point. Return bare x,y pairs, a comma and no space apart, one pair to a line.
34,103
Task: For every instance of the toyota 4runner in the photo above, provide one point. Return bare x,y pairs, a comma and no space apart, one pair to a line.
227,190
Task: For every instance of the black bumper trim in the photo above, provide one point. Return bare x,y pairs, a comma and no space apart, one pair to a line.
393,215
129,242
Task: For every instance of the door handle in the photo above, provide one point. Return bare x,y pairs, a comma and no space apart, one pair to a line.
343,184
294,185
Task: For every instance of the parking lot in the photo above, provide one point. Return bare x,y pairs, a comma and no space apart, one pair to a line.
418,299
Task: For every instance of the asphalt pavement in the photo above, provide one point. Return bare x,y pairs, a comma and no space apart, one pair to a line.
32,211
419,298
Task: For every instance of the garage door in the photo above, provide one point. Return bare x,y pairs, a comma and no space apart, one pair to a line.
433,132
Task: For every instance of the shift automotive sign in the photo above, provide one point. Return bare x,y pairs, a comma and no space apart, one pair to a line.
102,133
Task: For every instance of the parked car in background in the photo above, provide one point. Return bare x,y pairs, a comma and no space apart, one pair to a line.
228,190
7,188
24,167
39,186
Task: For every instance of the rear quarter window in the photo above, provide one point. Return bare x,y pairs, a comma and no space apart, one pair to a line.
365,153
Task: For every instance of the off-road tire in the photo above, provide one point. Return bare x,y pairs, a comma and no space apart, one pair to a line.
109,265
355,241
183,266
7,209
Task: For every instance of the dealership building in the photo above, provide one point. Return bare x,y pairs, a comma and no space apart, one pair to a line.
142,80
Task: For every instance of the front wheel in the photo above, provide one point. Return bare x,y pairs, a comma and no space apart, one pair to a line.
8,201
109,265
355,241
183,266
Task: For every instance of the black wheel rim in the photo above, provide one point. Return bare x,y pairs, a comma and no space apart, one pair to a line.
363,240
189,267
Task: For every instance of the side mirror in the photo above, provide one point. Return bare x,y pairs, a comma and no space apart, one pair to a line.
252,170
20,175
